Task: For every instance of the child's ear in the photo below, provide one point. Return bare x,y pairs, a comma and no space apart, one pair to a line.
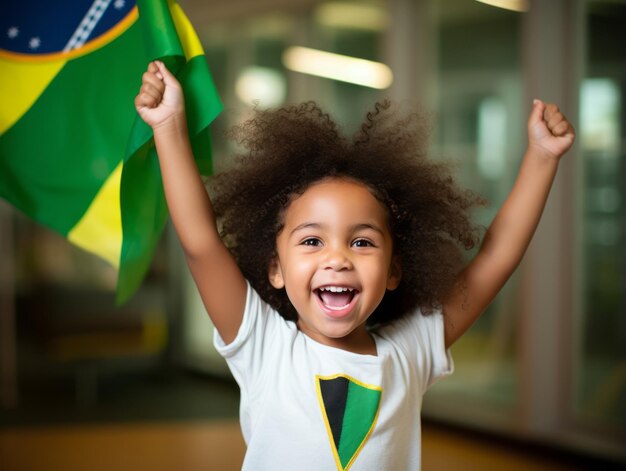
395,273
275,274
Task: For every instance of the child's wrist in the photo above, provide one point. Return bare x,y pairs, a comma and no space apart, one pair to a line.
175,123
539,152
542,151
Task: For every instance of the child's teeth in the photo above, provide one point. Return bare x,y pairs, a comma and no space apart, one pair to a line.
335,289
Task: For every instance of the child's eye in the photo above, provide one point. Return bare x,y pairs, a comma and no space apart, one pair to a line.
312,242
362,243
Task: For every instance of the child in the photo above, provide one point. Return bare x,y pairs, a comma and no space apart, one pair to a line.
342,287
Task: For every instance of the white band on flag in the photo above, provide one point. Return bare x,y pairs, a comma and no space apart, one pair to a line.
87,25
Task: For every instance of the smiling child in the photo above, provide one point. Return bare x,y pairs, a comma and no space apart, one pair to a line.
336,281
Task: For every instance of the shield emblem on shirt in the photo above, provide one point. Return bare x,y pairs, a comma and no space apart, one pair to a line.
350,409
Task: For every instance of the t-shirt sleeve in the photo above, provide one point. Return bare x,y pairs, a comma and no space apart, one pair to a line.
251,309
247,354
421,338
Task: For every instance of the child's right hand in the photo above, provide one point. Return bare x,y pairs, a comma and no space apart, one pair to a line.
160,99
549,132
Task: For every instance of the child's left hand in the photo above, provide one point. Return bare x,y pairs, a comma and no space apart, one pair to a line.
549,132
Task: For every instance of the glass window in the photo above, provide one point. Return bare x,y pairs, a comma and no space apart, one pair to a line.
479,126
356,30
601,361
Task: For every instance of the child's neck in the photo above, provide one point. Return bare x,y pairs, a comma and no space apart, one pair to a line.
366,348
361,342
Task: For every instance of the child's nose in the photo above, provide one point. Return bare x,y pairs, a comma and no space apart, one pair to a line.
337,259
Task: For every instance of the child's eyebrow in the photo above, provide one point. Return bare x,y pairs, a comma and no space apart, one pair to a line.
363,226
353,228
305,225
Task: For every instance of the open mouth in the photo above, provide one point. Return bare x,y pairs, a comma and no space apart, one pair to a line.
336,298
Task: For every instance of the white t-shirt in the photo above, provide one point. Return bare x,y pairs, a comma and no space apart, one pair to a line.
308,406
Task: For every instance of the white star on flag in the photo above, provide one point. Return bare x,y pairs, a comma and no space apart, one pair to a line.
119,4
13,32
34,43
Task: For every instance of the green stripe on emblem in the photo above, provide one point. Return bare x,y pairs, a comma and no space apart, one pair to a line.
358,420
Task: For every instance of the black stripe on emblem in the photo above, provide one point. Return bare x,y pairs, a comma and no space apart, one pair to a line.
334,395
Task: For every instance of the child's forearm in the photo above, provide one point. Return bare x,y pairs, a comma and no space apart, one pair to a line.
219,281
503,246
512,229
187,199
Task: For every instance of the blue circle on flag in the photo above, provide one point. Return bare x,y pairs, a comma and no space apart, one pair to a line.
34,27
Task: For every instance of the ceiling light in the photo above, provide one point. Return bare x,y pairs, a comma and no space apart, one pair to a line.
513,5
352,16
338,67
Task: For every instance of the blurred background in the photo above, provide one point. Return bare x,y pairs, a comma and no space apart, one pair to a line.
543,372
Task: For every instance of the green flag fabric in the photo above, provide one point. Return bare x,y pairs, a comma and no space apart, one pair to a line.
74,154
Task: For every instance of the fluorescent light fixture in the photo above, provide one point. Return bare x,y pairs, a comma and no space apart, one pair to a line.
513,5
491,138
262,84
361,16
338,67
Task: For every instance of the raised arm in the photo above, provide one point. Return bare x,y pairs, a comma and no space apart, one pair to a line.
160,104
550,135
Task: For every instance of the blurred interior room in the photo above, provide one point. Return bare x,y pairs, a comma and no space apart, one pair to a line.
540,379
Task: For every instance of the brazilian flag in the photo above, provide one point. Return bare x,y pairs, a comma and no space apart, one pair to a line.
350,409
74,154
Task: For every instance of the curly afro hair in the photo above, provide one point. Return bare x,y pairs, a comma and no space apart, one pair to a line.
286,150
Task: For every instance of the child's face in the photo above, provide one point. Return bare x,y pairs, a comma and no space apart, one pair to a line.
335,260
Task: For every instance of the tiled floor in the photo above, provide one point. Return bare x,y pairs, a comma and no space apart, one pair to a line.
218,445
